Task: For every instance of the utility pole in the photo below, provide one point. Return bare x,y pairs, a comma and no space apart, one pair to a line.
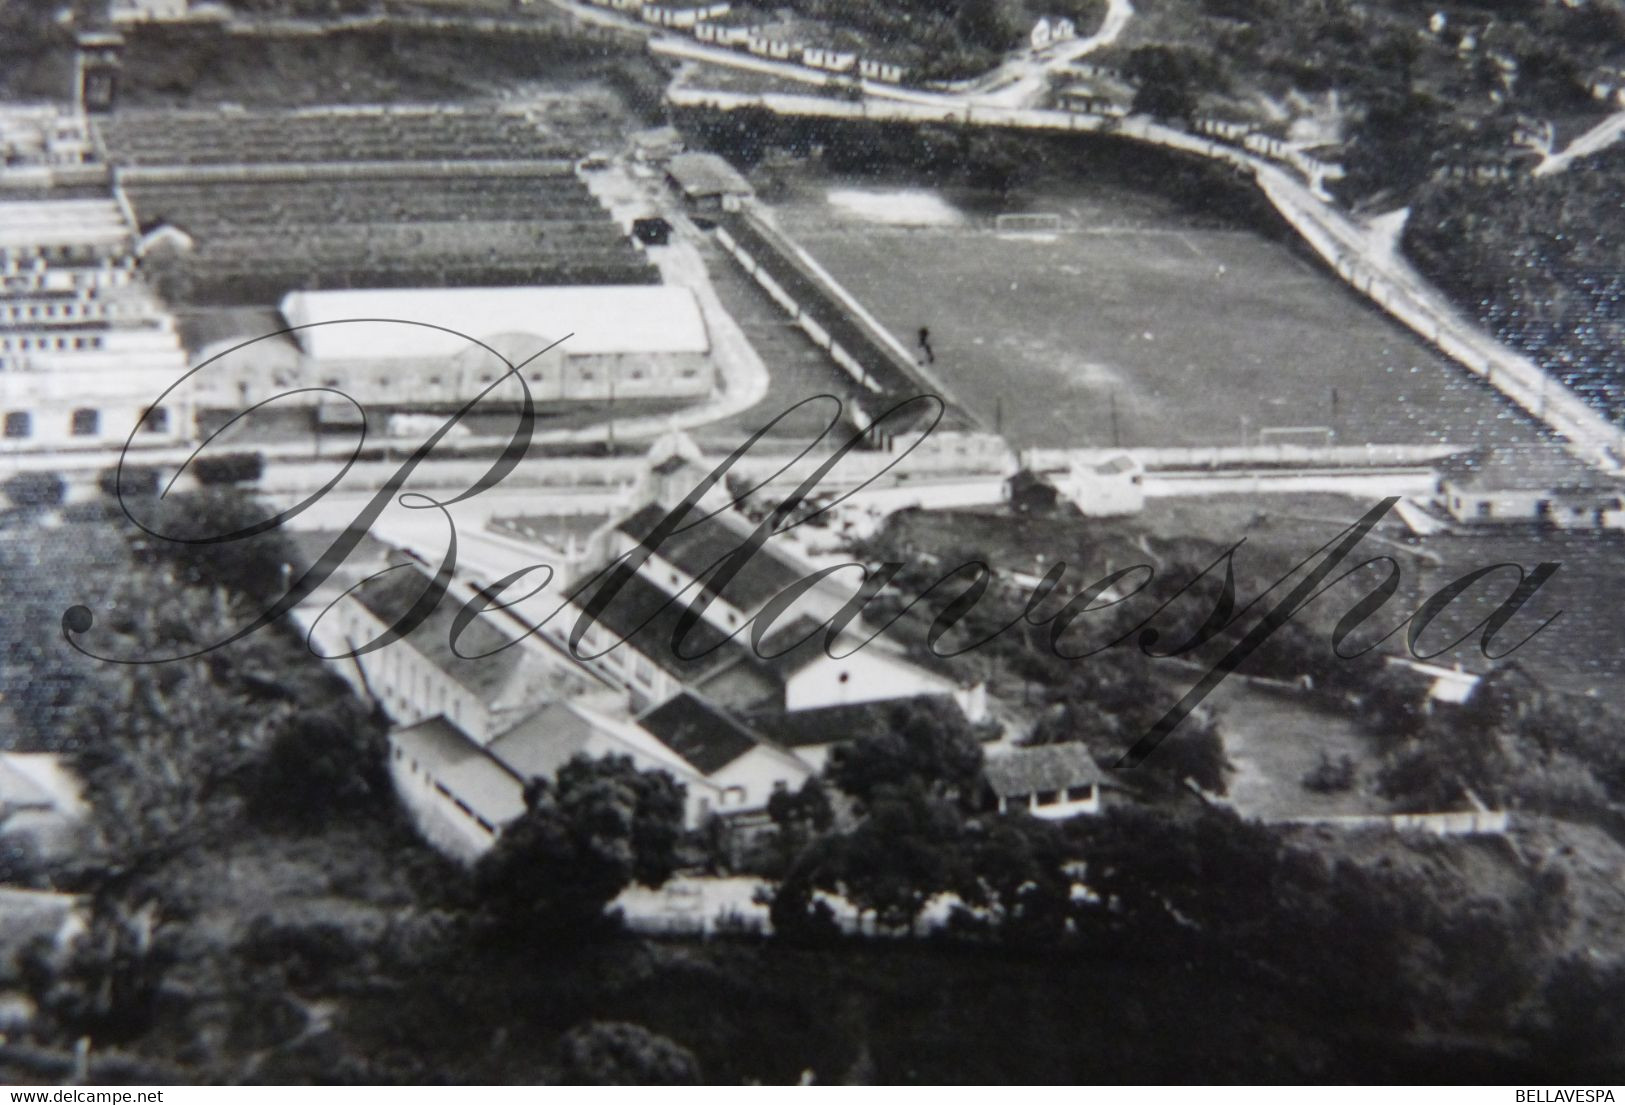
612,411
1117,440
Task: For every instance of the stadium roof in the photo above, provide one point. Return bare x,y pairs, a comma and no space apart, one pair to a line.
606,319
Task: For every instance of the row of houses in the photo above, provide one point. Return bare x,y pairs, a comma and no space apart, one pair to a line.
777,36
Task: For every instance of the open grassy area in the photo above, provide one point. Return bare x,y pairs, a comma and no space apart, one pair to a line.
1193,335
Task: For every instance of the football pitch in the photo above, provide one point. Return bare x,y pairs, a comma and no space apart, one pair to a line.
1143,330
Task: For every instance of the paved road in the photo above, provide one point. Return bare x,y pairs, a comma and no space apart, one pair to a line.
1598,138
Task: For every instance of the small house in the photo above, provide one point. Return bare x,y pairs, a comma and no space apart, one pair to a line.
734,28
681,15
878,68
783,40
707,182
1052,781
1048,32
1106,488
1541,484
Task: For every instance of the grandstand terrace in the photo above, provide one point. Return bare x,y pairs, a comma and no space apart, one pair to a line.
271,202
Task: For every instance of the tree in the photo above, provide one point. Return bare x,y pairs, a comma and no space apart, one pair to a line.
583,838
229,468
318,763
797,914
1021,871
798,817
182,526
906,851
133,481
36,490
926,742
615,1053
1169,78
106,981
1193,753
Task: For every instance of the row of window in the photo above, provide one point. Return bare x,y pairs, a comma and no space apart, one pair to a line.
490,829
1071,794
71,310
54,255
537,376
46,345
52,280
84,422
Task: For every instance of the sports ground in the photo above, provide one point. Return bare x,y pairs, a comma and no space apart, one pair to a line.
1135,324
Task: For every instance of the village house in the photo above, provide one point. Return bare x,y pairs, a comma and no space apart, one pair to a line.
734,28
1540,484
1048,32
681,14
882,67
835,51
1101,95
1052,781
784,39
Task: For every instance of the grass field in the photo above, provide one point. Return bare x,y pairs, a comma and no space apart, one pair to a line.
1196,335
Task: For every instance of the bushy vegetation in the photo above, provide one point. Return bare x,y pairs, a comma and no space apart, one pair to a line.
1537,260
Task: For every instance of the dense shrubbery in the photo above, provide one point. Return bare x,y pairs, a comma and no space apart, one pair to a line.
228,468
1536,259
35,489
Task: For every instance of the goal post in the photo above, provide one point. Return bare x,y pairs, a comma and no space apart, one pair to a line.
1046,225
1297,435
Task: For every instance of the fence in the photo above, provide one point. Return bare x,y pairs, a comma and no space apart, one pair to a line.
1463,823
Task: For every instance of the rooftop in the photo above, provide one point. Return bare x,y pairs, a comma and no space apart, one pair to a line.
829,724
699,547
491,676
467,771
551,529
607,319
706,174
647,618
543,742
701,733
1023,771
1534,467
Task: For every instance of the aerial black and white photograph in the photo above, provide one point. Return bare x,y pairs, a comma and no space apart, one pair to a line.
812,542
